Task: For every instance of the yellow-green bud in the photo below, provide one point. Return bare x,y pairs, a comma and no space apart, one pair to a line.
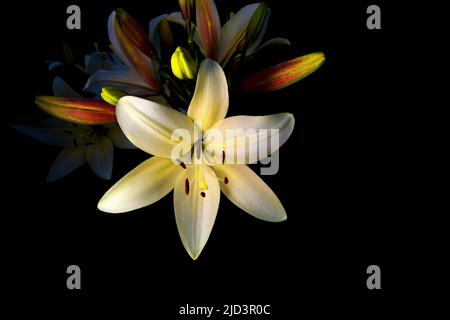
112,95
183,66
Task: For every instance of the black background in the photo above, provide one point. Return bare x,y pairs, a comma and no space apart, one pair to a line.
342,180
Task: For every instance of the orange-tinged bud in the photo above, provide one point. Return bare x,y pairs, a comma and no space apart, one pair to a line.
283,74
78,110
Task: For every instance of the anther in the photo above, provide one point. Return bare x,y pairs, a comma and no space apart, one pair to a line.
181,163
223,156
186,186
225,180
203,194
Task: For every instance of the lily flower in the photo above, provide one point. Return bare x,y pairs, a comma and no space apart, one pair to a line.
195,178
243,31
81,143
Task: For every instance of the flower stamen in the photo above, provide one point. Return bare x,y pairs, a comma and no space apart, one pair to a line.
186,186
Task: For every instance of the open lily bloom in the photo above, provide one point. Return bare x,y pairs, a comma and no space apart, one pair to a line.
81,143
196,177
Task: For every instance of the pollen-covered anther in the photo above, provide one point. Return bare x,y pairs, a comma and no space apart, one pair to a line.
186,186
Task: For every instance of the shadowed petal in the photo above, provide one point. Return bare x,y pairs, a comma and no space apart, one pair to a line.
124,79
55,134
119,139
67,161
62,89
100,157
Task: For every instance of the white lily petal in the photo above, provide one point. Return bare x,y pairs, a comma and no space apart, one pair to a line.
118,138
144,185
261,34
67,161
62,89
195,214
247,139
100,156
210,101
149,125
234,30
247,191
124,79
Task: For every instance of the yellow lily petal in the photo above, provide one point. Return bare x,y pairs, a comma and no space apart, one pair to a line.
196,207
247,191
242,136
144,185
210,101
149,125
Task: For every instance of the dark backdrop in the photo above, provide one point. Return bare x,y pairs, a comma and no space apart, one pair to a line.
341,180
